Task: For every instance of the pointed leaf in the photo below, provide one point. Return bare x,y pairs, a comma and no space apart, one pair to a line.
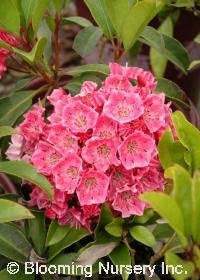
143,235
9,16
28,172
27,8
168,209
86,40
6,131
90,68
78,20
99,12
14,245
189,136
56,233
115,227
182,195
38,13
12,211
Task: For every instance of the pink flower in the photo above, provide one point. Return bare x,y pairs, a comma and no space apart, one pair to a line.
128,204
15,149
58,95
126,129
45,157
78,117
123,107
66,173
131,73
3,67
73,217
39,198
101,153
33,126
63,139
91,211
136,150
154,112
105,127
92,188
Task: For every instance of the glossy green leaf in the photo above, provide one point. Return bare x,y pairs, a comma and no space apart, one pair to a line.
121,256
14,245
9,16
27,8
168,209
189,136
13,106
157,60
6,131
38,13
143,235
173,49
182,193
148,214
115,227
170,151
196,207
4,275
74,235
89,68
78,20
187,267
56,233
194,64
91,254
99,12
172,90
86,40
28,172
163,231
37,231
12,211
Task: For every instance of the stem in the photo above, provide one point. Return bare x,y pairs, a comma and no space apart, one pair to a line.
101,49
162,251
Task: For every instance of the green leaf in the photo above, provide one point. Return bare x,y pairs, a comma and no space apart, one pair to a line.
115,227
187,267
78,20
90,255
157,60
196,207
173,49
6,131
4,275
189,136
38,13
197,39
99,12
121,256
12,211
74,235
143,235
170,151
90,68
86,40
27,8
148,214
28,172
13,106
182,195
162,231
56,233
35,54
193,64
132,2
9,16
14,245
58,4
172,90
168,209
37,231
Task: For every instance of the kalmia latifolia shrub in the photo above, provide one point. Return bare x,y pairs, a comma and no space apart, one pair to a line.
98,146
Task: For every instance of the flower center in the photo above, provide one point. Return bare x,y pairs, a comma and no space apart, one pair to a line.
72,172
123,110
131,147
69,141
103,150
81,120
54,158
90,183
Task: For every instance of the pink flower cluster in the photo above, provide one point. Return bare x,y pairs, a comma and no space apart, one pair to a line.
12,41
98,146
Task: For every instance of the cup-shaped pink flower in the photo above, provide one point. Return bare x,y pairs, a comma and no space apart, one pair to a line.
93,188
105,127
101,153
128,203
79,117
63,139
154,112
15,149
136,150
45,157
123,107
66,173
